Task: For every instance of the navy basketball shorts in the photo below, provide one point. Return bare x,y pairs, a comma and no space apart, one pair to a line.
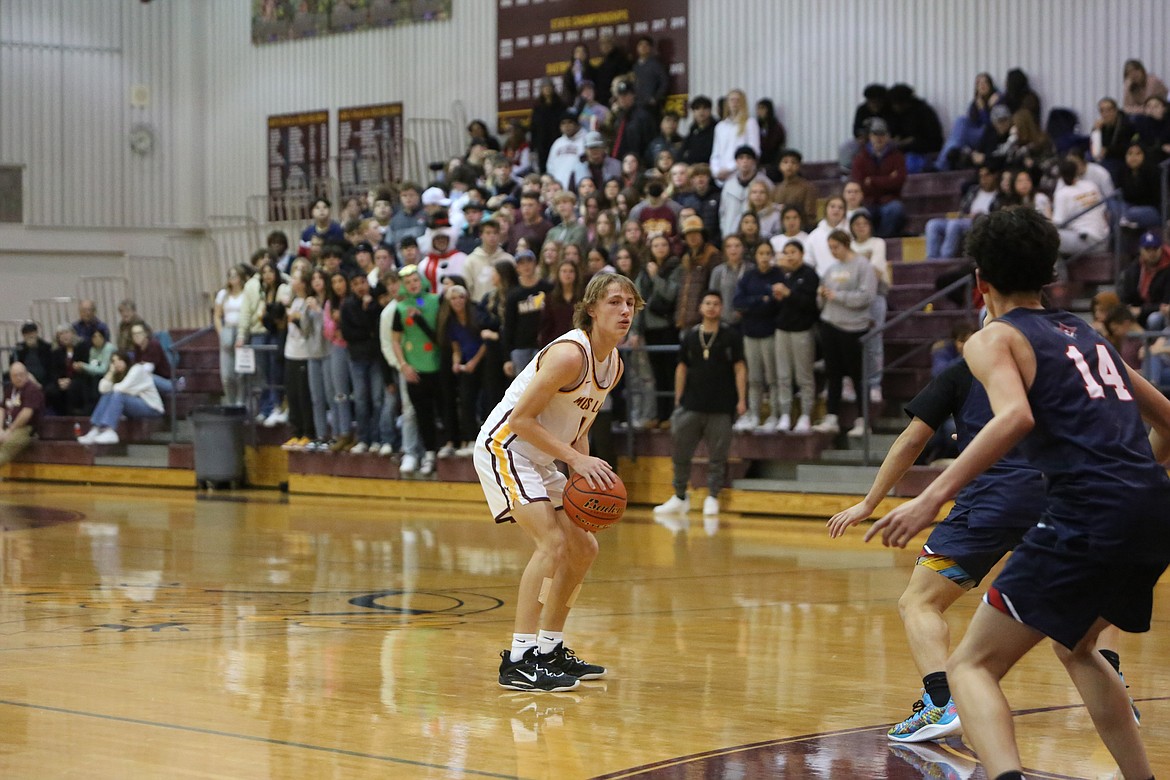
964,555
1057,587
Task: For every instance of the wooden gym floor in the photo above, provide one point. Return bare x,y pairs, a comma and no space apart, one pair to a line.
248,635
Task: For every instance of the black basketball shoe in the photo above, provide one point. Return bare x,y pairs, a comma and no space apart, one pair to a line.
531,673
565,660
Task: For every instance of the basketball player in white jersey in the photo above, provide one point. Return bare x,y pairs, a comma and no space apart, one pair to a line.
545,417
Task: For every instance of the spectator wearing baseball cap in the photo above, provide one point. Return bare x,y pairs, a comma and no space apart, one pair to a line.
733,201
591,112
1145,285
522,313
880,168
595,163
634,126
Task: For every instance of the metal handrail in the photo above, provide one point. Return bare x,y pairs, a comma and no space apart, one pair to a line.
964,283
175,384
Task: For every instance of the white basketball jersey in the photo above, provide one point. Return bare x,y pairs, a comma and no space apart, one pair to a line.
568,414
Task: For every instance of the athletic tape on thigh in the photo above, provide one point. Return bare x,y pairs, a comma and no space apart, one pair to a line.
572,599
545,587
947,568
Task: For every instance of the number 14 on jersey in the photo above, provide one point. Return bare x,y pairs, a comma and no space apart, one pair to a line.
1109,373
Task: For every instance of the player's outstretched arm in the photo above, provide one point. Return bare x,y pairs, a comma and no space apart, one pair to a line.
1002,359
898,460
560,366
1155,409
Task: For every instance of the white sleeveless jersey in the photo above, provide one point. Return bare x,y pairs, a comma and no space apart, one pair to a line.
569,412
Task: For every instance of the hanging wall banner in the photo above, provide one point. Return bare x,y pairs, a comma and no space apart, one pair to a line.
298,162
536,41
369,147
283,20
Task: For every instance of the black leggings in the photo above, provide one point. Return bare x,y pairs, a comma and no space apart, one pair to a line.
425,396
662,365
842,352
300,402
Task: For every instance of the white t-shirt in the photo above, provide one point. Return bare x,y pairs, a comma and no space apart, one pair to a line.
231,306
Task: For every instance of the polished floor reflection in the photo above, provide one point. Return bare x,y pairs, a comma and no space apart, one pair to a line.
156,634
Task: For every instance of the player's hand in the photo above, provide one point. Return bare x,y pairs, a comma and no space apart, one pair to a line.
509,369
596,471
741,408
843,520
901,525
410,374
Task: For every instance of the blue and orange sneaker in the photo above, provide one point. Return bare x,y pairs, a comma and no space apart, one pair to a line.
929,722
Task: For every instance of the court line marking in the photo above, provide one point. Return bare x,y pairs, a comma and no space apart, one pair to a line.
684,760
261,740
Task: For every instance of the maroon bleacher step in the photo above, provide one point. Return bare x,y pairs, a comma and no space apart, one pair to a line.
199,357
130,431
927,325
68,453
922,272
181,455
1095,268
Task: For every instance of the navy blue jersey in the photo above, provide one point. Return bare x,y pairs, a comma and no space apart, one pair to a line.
1107,495
1010,494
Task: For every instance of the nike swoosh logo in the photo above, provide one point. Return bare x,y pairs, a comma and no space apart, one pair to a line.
530,677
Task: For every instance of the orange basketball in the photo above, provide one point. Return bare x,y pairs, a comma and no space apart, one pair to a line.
594,509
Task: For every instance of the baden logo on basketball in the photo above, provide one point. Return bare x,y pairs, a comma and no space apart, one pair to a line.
597,507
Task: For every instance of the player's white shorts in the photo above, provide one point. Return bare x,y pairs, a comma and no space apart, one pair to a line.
509,479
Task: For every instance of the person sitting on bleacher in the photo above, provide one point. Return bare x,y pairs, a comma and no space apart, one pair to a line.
916,129
127,319
149,350
1145,285
944,237
71,391
1073,195
880,168
100,352
24,404
88,322
127,390
35,353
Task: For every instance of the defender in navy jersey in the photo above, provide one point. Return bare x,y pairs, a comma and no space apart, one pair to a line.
988,520
1076,410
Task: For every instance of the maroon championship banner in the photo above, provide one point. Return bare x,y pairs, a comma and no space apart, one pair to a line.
536,40
298,162
284,20
369,147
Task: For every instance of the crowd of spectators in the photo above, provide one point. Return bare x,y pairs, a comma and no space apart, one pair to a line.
396,325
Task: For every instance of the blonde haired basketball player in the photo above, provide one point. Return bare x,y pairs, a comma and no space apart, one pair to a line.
545,417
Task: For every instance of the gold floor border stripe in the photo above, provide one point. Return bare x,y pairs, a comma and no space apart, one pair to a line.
100,475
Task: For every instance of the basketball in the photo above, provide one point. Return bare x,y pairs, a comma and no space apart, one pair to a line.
594,509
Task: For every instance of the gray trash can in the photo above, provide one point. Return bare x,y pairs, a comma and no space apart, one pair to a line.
219,443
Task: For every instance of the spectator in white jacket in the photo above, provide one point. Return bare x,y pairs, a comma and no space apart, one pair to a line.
566,151
126,391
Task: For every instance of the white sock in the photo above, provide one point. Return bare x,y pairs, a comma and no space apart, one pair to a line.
521,643
548,641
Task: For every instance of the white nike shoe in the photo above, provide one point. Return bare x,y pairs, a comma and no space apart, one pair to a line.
674,506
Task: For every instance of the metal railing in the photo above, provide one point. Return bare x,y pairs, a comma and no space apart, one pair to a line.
178,383
868,373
